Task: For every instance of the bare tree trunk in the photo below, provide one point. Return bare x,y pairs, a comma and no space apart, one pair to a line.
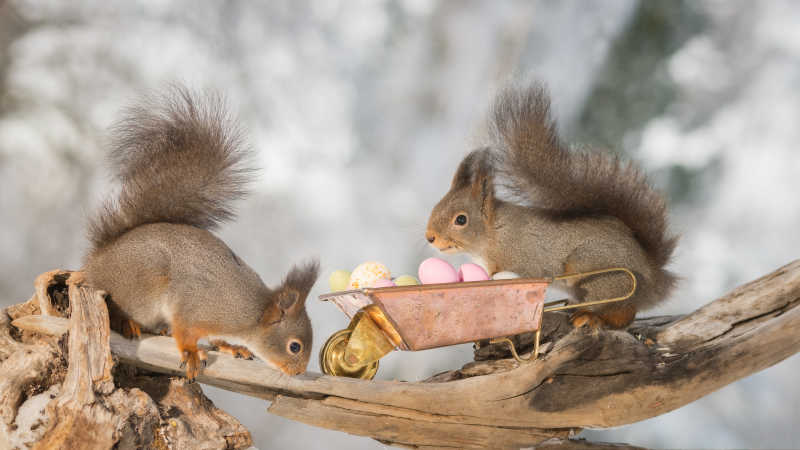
61,393
603,379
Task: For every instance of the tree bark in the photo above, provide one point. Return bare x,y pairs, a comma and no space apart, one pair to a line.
60,392
583,379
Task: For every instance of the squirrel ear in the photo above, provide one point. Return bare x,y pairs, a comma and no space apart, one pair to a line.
475,161
288,298
297,284
481,179
292,293
483,191
463,176
272,314
476,172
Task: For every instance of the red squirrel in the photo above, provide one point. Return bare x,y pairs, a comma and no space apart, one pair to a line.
571,211
180,162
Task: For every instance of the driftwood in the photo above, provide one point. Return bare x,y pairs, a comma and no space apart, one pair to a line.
583,379
61,390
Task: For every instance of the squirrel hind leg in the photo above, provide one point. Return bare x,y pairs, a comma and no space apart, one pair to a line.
614,317
237,351
618,316
599,287
193,358
131,329
123,324
586,319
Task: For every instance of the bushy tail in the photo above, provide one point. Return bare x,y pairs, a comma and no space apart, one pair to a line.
541,169
179,160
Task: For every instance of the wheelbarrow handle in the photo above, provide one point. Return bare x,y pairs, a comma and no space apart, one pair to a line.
550,308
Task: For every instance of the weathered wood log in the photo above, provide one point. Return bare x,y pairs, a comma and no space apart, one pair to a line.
603,379
60,392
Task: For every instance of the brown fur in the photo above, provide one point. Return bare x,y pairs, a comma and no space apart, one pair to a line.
180,165
201,147
235,350
570,183
573,211
186,337
617,316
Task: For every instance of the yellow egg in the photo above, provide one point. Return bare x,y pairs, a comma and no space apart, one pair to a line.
406,280
367,273
339,280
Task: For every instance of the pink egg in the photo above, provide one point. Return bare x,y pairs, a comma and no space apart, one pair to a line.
435,270
472,272
382,283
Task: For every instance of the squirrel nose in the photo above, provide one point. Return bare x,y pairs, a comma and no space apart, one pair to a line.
430,237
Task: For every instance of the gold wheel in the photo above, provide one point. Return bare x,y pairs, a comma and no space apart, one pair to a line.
331,359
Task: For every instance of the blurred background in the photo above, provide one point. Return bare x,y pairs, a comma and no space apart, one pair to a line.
360,111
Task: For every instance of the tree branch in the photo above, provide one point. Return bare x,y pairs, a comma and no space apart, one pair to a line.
606,379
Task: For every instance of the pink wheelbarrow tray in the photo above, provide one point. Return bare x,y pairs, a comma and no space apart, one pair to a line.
437,315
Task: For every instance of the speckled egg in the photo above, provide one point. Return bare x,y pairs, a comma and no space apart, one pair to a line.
472,272
383,282
435,270
368,273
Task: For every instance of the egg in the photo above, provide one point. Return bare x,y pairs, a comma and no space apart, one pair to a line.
383,282
435,270
367,273
406,280
339,280
472,272
506,275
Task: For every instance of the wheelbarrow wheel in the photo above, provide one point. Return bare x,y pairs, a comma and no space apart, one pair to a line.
331,359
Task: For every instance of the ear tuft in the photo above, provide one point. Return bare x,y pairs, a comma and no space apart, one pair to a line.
298,284
477,172
477,164
484,191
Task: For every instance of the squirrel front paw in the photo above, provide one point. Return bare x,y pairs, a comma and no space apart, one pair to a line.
237,351
193,361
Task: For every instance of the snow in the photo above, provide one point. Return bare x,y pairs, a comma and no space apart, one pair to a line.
359,113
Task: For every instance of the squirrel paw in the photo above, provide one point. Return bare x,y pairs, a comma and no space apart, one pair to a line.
131,329
193,361
587,319
237,351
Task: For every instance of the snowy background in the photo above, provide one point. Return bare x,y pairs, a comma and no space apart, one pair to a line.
360,111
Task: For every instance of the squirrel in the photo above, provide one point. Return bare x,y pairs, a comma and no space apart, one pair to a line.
181,163
571,210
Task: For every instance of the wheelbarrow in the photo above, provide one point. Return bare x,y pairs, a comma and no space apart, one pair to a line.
437,315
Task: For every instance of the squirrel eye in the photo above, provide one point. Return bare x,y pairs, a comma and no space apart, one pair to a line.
461,220
294,347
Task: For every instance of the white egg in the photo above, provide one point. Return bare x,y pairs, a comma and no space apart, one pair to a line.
505,275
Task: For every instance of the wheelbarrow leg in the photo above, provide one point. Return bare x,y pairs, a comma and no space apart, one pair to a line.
367,344
513,348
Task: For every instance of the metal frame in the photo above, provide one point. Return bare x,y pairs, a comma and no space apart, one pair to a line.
548,307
